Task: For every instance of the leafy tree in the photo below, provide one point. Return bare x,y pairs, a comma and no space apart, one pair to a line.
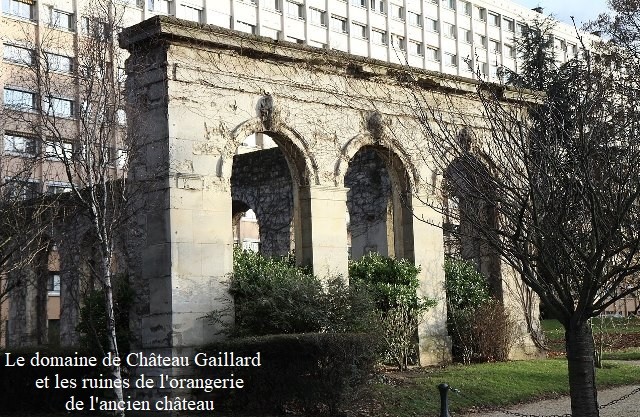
536,56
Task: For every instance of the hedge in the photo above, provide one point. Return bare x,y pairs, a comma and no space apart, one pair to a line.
309,373
18,392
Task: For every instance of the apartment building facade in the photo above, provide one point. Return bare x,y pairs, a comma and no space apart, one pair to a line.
464,38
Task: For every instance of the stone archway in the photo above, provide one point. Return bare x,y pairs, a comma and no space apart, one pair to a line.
320,108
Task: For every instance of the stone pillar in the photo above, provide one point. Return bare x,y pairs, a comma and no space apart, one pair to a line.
23,329
435,343
321,241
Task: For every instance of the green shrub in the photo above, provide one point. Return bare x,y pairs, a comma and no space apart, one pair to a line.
465,286
273,296
391,281
480,328
349,307
393,284
311,373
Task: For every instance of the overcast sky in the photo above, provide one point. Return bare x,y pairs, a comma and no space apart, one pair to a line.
582,10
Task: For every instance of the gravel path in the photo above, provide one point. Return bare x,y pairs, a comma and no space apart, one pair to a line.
560,406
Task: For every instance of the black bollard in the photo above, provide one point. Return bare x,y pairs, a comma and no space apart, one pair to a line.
444,401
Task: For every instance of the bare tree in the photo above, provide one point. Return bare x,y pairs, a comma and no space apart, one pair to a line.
25,215
549,182
80,118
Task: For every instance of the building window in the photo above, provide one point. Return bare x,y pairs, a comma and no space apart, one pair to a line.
520,28
61,20
484,69
414,19
95,28
449,30
432,54
158,6
509,24
19,144
560,44
294,40
54,283
359,3
480,41
431,25
339,24
246,27
59,63
316,44
58,107
398,42
466,35
59,150
294,9
122,158
54,188
573,50
396,11
121,117
494,46
377,6
191,13
317,17
359,30
379,37
416,48
264,31
509,51
450,60
481,13
19,100
494,19
18,55
21,190
467,8
252,245
19,8
493,71
451,4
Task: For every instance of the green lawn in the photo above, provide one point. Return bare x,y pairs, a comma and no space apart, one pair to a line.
488,385
553,328
628,354
621,336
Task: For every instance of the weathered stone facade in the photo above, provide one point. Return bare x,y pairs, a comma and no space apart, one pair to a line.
203,90
347,135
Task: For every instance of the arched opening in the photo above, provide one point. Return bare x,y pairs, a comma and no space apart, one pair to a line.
262,195
470,218
378,204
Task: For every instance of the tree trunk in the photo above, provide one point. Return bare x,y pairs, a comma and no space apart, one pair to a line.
582,383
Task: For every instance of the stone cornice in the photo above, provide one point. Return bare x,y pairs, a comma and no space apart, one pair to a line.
170,30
